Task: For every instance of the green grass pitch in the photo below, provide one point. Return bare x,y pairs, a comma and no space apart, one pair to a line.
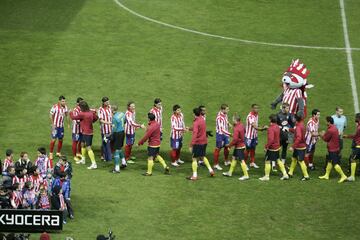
94,48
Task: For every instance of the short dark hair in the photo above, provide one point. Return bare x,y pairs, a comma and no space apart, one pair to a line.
114,108
42,150
61,97
151,116
129,103
22,154
298,118
176,107
254,105
84,106
273,118
237,118
357,117
79,99
314,112
285,104
197,111
224,106
157,101
330,120
63,157
9,152
105,99
337,108
201,108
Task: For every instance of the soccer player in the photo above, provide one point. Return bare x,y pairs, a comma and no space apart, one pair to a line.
239,147
176,137
272,149
153,136
58,113
222,136
311,137
8,161
130,127
340,123
198,144
299,148
157,110
76,134
87,118
355,148
251,135
105,119
331,136
43,162
118,124
208,133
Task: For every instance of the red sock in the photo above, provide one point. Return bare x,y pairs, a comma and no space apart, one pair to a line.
311,158
216,156
246,155
59,146
52,145
226,153
79,147
173,155
127,151
306,160
178,154
73,147
51,163
252,155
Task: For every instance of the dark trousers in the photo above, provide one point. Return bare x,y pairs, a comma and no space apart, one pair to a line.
106,148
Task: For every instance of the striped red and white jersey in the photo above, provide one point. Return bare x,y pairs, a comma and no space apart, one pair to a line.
222,124
290,97
177,126
44,165
130,124
158,115
312,126
37,181
76,123
20,180
58,114
6,164
105,114
250,131
16,197
62,202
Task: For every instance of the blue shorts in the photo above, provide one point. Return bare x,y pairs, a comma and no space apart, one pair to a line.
238,153
77,137
222,140
299,154
310,148
251,143
199,150
333,157
176,143
130,139
153,151
57,133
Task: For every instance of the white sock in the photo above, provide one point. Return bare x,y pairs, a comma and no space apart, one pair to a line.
210,170
123,161
194,174
310,164
283,160
117,168
273,164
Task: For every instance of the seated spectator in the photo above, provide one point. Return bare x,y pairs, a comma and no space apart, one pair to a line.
23,162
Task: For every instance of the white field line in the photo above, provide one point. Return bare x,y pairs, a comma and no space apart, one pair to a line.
228,38
349,57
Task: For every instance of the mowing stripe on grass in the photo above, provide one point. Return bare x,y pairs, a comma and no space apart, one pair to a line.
228,38
349,57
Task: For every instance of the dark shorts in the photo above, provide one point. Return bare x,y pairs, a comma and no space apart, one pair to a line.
239,153
118,139
299,154
199,150
310,149
222,140
176,143
76,137
251,143
57,133
153,151
130,139
333,157
272,155
355,154
87,139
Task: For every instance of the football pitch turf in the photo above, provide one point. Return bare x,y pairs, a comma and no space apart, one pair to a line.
96,48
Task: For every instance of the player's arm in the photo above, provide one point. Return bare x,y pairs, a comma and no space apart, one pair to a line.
148,133
277,101
259,128
326,136
222,127
236,138
270,139
51,117
298,136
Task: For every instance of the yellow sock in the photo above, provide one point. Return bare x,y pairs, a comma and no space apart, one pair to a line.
194,166
91,156
304,169
340,171
328,169
353,169
83,152
244,168
207,164
267,168
150,166
161,160
282,167
232,166
293,166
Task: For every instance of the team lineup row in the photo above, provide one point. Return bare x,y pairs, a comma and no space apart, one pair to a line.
284,128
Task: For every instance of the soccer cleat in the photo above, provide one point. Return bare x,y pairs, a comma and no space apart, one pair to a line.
79,155
274,169
305,179
342,179
324,177
77,159
130,161
167,171
179,161
82,161
312,168
212,174
92,166
192,178
264,178
123,166
351,179
254,165
284,177
114,171
227,163
217,167
175,164
147,174
243,178
71,216
201,163
290,175
226,174
58,154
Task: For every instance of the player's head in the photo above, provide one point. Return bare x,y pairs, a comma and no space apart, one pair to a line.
151,116
78,100
131,106
236,118
339,111
9,153
62,101
273,118
24,155
254,108
114,108
84,107
224,108
285,107
41,151
357,117
105,101
202,110
197,112
11,170
62,159
315,113
177,109
329,120
157,103
298,118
